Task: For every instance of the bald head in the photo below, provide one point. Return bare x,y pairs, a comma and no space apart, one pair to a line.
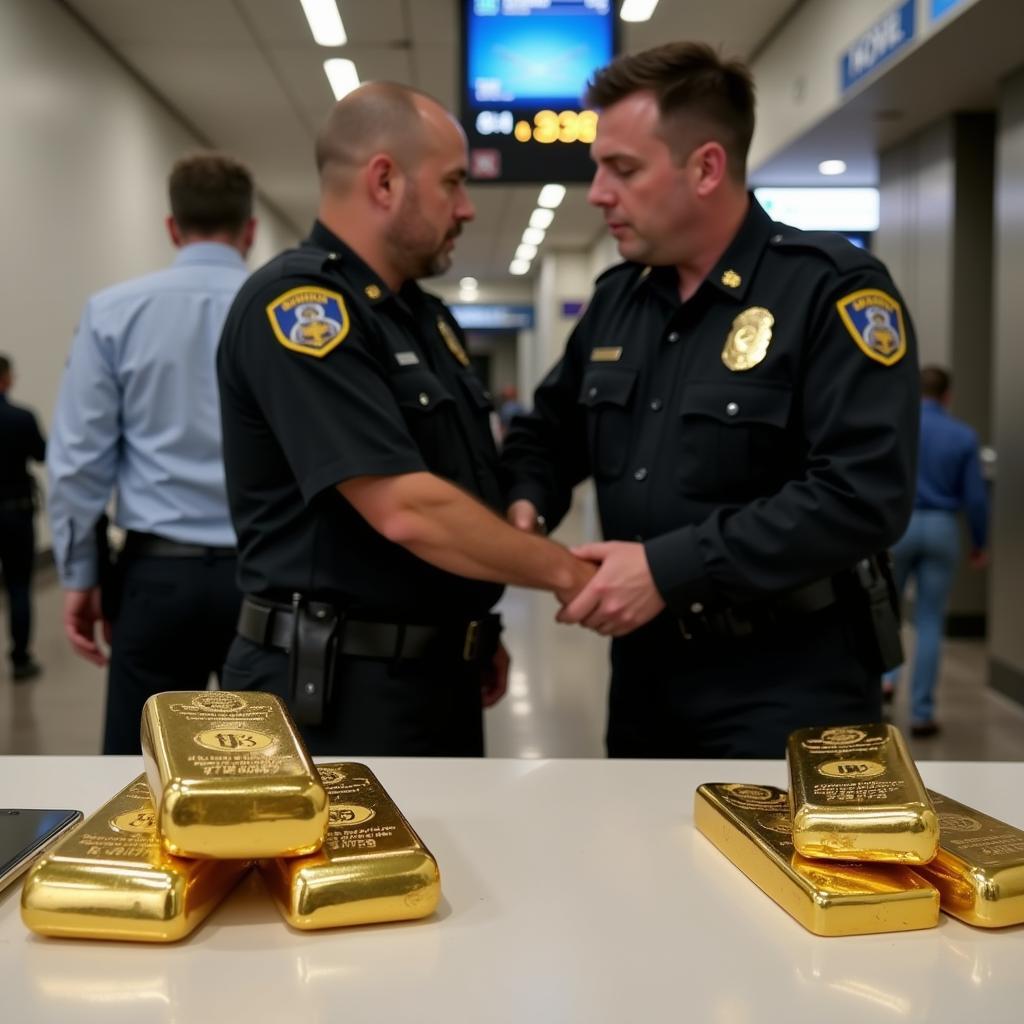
379,117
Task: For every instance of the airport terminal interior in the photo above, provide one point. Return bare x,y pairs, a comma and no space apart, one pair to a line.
900,125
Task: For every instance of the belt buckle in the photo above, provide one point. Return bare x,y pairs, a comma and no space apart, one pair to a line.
471,644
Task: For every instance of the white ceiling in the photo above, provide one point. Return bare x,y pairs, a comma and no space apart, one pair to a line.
248,77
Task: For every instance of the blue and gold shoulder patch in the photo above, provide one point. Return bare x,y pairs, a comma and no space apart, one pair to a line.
310,319
875,322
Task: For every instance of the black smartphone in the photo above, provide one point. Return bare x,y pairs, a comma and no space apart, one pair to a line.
25,833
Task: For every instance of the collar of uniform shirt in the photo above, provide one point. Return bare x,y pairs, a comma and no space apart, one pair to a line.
744,253
363,280
209,252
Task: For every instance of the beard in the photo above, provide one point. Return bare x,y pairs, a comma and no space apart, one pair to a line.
417,248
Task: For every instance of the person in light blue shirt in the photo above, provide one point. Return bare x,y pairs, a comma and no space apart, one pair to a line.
138,417
949,481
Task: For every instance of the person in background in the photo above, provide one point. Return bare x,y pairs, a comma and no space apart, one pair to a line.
138,417
20,440
949,481
744,395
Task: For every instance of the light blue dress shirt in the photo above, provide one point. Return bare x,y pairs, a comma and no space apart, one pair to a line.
138,412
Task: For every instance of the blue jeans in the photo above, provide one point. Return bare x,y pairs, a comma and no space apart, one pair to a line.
929,552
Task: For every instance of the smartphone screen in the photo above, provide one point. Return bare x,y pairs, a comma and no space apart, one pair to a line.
27,832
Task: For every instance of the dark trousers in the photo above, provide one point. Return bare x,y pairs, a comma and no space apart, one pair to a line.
175,622
415,708
17,558
736,698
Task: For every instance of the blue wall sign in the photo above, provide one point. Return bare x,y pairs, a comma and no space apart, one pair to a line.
939,7
874,48
472,316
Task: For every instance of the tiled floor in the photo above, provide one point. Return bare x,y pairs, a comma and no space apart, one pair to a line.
555,703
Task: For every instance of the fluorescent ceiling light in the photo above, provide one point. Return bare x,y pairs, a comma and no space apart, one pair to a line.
342,75
637,10
325,22
542,219
832,167
519,267
822,209
469,284
550,196
526,252
533,236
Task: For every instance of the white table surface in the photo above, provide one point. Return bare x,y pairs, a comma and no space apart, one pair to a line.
572,891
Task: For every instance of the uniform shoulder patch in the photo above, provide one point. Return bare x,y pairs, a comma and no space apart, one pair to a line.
875,322
310,319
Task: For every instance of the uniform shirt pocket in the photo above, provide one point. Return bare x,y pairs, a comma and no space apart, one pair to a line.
733,440
606,395
429,411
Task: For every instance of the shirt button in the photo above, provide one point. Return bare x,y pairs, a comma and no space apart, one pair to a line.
424,398
696,607
673,338
592,393
776,239
640,474
655,404
732,408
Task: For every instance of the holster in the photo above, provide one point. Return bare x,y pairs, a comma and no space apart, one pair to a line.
878,592
311,658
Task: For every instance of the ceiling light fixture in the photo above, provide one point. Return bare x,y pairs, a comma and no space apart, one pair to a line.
526,252
550,196
542,219
469,284
325,22
533,236
832,167
519,267
342,75
637,10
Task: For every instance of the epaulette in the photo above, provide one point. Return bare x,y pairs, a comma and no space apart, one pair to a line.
620,269
306,259
839,250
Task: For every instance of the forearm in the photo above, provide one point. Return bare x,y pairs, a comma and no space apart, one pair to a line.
444,526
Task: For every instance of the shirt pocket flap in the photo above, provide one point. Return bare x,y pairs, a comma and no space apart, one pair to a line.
735,404
419,390
607,385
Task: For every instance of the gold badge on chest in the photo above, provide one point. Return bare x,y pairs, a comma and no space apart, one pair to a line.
749,339
453,343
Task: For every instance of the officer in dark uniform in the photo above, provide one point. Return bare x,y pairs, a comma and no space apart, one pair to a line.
20,440
743,394
357,441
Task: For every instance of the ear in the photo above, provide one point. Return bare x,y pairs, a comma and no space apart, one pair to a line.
174,231
384,181
708,165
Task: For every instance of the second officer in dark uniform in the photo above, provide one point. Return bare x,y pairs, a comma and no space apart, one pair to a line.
743,394
362,474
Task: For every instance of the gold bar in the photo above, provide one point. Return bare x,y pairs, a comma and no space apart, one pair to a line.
856,795
230,776
372,868
751,825
111,879
979,869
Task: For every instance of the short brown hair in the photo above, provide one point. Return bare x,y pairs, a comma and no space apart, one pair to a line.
210,193
935,382
688,80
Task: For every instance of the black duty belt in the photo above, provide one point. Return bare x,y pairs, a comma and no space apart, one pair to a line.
149,545
758,617
271,624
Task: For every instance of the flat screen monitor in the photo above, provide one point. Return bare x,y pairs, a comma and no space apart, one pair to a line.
526,64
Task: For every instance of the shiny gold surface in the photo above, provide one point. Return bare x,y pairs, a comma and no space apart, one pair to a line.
750,824
856,795
230,776
979,869
111,879
372,868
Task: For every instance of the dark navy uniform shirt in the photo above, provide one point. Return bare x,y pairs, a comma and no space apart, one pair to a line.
20,440
756,437
325,375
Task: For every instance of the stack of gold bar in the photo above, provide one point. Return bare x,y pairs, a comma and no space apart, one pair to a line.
229,781
854,846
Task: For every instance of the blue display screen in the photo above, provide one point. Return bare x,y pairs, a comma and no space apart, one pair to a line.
535,52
